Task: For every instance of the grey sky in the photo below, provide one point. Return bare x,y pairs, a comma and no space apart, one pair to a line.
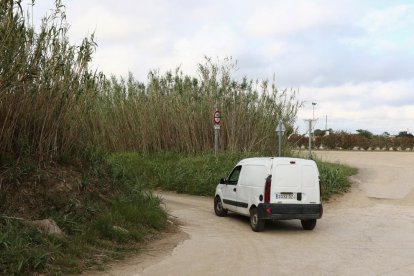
354,58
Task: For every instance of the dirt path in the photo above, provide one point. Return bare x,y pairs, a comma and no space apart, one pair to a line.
369,231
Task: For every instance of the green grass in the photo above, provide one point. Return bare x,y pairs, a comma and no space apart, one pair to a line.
334,178
199,174
23,248
92,238
193,174
103,218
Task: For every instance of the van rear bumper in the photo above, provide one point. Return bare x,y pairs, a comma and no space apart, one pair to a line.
289,211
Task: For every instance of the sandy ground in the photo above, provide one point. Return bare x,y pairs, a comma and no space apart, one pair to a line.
369,231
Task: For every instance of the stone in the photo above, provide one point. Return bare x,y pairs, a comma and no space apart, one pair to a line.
48,226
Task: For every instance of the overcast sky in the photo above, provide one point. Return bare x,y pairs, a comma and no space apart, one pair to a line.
355,59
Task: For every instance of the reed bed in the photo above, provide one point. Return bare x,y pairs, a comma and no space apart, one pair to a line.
53,105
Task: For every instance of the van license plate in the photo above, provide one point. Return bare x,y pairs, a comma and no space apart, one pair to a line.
286,196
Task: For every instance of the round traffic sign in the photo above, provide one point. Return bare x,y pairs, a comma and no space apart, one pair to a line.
216,117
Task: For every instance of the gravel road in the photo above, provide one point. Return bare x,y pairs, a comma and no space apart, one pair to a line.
369,231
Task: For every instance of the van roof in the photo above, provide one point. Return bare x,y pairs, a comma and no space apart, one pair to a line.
267,160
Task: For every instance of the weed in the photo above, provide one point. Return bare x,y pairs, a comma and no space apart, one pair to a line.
334,178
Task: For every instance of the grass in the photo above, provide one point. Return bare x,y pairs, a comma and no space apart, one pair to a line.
111,235
334,178
193,174
102,220
199,174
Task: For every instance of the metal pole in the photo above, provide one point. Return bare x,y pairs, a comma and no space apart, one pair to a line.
310,138
216,131
313,110
280,143
216,140
313,119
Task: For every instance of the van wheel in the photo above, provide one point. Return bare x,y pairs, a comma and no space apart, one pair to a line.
218,207
256,223
308,224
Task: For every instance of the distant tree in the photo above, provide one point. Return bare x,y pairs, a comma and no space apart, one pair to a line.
405,134
320,132
365,133
386,134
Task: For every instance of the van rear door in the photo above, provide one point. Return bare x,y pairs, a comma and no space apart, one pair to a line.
310,183
286,181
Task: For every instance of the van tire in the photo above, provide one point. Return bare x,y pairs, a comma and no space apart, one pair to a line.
256,223
218,207
308,224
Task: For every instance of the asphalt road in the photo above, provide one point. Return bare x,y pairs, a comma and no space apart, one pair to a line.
368,231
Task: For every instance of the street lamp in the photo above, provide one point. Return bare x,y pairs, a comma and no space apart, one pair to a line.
313,119
311,123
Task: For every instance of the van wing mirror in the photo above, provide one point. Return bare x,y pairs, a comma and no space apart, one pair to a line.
223,180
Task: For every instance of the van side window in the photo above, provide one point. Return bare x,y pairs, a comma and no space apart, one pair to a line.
234,176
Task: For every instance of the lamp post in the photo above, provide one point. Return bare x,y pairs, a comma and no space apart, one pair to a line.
313,119
280,129
310,123
313,110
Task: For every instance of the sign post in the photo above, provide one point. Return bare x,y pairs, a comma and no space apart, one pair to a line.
216,121
280,129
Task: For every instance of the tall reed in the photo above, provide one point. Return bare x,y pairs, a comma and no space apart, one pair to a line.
43,79
52,104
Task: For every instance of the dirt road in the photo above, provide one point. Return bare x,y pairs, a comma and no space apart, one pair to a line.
369,231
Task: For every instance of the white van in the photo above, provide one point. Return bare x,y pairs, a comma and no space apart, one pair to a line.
271,188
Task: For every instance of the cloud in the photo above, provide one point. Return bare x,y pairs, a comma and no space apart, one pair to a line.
388,19
109,26
286,17
355,58
376,106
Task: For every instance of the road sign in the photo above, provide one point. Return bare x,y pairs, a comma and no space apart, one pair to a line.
216,117
216,126
280,128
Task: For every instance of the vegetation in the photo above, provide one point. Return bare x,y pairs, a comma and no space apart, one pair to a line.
365,133
363,140
53,106
334,178
62,127
405,134
101,215
199,174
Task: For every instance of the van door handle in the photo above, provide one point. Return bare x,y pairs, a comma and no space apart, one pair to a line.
234,189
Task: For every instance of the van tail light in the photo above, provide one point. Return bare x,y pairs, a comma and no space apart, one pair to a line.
268,185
